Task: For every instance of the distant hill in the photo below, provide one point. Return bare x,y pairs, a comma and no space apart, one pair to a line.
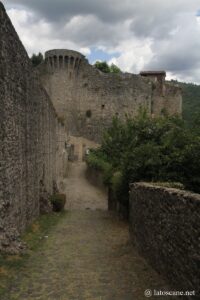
191,100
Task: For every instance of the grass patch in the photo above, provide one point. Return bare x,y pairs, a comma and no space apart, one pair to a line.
34,236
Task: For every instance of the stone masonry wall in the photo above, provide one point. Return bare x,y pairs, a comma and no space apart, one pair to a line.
87,99
164,223
32,140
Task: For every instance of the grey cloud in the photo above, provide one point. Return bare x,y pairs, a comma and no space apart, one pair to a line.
91,23
159,18
150,18
174,62
91,31
109,11
147,13
157,27
180,53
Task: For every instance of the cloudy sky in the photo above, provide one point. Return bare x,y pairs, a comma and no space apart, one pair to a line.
134,34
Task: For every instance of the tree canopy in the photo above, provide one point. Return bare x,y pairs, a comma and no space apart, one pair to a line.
191,100
37,59
105,68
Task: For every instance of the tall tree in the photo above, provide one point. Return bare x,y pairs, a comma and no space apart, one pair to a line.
37,59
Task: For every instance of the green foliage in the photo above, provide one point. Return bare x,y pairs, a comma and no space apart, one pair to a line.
152,150
191,101
102,66
116,182
105,68
114,69
98,161
37,59
58,201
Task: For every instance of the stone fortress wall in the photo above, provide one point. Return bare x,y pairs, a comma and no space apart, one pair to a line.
35,131
34,138
32,148
87,99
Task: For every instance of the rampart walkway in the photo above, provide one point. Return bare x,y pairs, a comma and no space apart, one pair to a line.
88,255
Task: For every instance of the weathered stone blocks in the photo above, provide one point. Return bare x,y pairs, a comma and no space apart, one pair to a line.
165,225
32,140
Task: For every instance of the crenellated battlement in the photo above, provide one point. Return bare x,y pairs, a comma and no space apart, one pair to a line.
63,59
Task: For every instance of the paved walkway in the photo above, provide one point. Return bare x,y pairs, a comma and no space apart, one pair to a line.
88,256
80,193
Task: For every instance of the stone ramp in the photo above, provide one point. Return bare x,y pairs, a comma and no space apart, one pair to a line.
80,193
87,256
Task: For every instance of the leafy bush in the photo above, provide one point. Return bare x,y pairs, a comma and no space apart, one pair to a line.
116,182
97,161
58,201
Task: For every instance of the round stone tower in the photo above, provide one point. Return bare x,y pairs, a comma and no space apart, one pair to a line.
61,78
59,59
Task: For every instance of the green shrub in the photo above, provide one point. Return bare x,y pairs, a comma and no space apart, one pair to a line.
163,150
116,181
96,161
58,201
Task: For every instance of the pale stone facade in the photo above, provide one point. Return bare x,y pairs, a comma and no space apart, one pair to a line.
87,99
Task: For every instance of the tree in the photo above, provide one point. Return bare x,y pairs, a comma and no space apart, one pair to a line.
105,68
102,66
37,59
115,69
191,100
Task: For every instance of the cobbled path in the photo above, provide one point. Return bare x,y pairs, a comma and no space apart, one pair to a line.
87,256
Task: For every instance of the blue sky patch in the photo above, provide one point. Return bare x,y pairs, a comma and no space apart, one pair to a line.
97,54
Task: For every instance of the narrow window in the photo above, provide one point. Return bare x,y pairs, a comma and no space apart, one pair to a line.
55,60
60,61
71,61
88,113
66,61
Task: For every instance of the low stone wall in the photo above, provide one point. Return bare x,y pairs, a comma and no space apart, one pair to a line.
96,178
165,225
116,204
32,147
